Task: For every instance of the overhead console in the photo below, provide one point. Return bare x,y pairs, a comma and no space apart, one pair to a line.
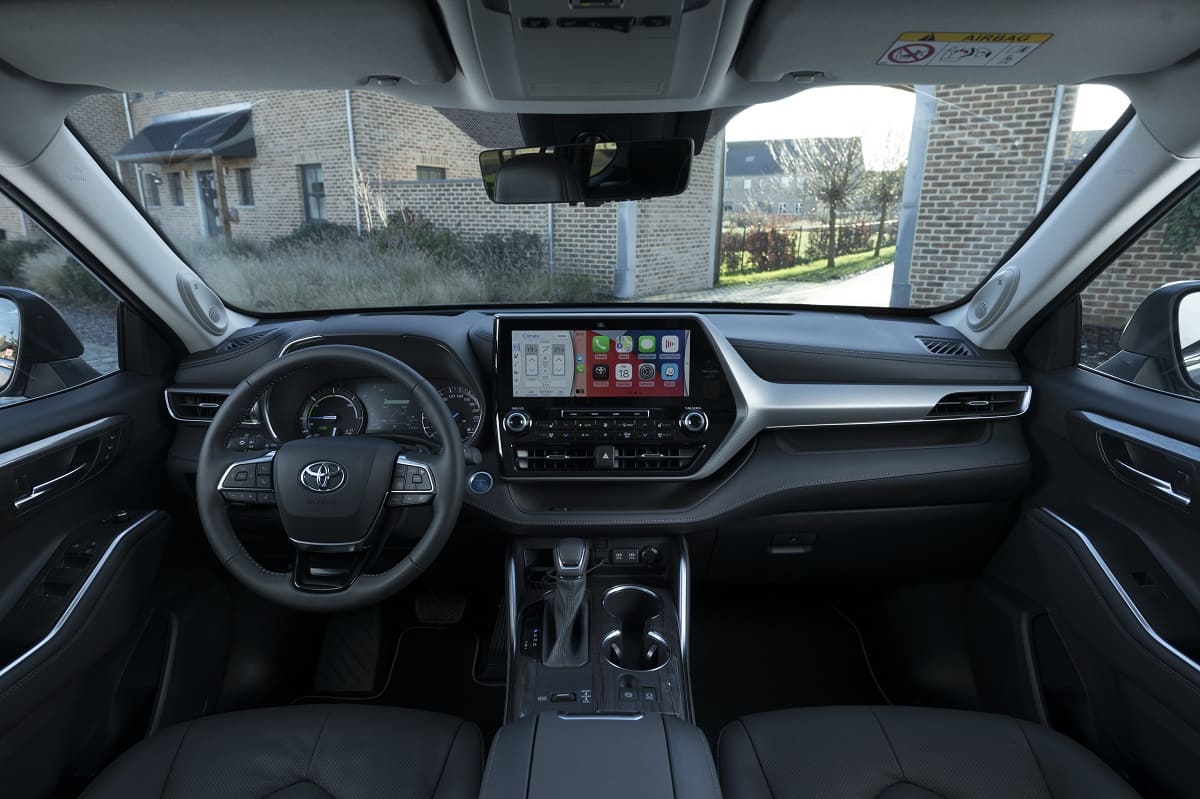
587,49
613,396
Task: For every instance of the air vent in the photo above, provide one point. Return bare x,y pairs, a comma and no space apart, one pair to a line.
981,403
241,341
581,458
951,347
194,405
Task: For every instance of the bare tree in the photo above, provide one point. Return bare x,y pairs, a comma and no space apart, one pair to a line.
834,173
371,202
884,190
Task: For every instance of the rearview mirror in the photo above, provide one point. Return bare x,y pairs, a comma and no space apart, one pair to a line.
10,342
587,173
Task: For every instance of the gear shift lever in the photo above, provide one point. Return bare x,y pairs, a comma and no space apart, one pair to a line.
567,627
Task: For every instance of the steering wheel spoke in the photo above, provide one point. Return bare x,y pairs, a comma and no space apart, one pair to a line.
413,483
319,572
249,482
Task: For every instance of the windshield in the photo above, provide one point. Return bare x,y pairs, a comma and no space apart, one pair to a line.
288,201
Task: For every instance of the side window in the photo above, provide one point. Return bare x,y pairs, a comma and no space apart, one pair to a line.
58,323
1141,315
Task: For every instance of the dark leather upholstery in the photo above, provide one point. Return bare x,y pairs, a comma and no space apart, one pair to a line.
302,752
600,757
906,753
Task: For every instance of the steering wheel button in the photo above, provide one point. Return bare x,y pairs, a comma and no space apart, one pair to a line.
241,476
262,468
265,497
263,481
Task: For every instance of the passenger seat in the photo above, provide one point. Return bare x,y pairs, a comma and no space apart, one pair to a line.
906,753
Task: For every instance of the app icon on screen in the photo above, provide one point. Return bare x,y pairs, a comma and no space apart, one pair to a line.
670,343
624,371
600,371
646,371
600,343
646,343
670,371
624,343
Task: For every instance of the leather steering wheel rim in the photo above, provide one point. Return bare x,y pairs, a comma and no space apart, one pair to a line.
449,468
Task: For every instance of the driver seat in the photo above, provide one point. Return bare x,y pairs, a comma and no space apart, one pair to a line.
302,752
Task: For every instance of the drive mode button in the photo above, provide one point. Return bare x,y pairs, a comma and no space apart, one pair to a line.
606,456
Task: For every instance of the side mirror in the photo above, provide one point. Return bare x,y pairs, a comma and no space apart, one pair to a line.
1160,346
39,351
10,343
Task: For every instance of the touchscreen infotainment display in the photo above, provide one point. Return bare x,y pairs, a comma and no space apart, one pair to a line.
601,363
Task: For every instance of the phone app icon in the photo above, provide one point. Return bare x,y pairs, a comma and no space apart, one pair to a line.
670,343
624,343
646,371
600,343
600,371
670,371
647,343
624,371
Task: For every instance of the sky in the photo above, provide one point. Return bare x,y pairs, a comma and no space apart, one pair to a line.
882,116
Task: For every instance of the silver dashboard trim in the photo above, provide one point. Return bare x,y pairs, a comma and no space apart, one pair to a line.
55,441
764,405
1121,592
79,595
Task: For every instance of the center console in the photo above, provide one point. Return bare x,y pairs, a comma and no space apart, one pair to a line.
599,703
602,397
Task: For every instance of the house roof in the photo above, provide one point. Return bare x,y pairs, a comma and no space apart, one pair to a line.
749,158
228,133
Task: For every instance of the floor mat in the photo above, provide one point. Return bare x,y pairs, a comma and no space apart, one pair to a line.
769,653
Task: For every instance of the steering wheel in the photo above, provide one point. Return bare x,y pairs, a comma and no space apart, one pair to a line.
333,495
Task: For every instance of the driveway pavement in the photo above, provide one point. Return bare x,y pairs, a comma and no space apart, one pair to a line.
871,289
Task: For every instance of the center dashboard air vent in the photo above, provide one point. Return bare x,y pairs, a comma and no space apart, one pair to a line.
981,403
582,458
950,347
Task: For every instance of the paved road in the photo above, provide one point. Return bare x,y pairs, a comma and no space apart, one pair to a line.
871,289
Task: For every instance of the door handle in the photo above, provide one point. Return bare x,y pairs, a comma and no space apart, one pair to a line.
1147,480
42,489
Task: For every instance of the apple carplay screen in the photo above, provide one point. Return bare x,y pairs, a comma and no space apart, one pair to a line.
578,363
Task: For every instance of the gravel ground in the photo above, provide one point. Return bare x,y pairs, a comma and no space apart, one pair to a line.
96,327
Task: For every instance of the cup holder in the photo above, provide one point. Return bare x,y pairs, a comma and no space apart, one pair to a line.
633,647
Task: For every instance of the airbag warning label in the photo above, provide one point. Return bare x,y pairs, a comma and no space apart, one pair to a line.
934,49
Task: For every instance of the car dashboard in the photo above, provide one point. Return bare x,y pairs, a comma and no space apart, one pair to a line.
665,421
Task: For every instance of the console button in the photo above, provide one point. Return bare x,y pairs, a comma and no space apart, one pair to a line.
562,696
649,693
605,456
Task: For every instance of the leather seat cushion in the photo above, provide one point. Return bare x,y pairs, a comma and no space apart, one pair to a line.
302,752
906,753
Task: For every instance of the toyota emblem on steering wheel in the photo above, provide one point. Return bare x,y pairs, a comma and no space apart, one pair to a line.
323,476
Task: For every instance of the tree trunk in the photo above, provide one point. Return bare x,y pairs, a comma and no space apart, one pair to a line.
831,260
879,231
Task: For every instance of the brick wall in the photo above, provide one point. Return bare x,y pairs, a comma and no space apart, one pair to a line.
675,234
982,170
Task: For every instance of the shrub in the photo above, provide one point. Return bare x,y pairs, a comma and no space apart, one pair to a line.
13,255
62,280
506,256
313,234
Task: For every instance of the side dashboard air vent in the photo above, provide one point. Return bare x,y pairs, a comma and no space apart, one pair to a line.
201,405
568,458
951,347
981,403
242,341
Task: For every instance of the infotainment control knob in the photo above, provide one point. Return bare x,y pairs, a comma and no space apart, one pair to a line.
517,422
694,421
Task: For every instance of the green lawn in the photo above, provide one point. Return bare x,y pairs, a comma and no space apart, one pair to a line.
816,271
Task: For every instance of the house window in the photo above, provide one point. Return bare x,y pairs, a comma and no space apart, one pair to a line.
150,181
175,182
746,184
431,173
246,186
312,185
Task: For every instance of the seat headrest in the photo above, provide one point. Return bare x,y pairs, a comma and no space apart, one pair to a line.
537,178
